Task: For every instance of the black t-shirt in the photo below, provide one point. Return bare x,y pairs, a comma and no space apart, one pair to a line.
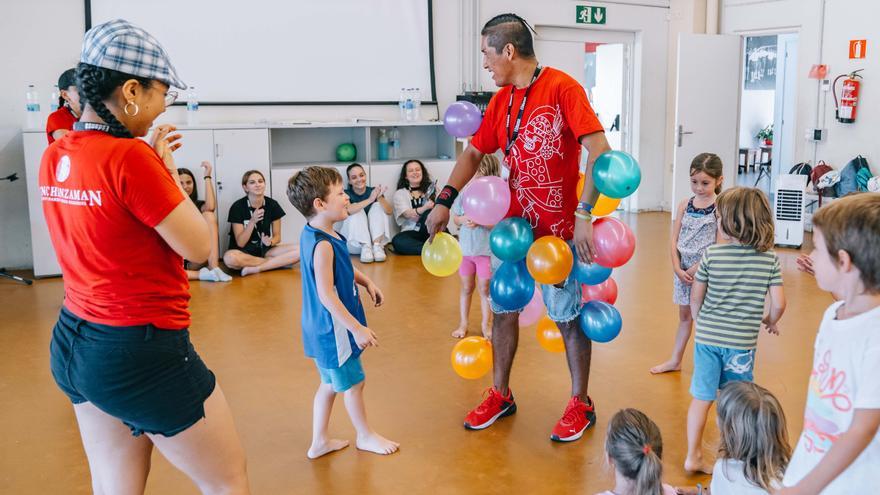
241,211
357,198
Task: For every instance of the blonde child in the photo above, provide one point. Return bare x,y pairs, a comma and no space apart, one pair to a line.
839,449
334,327
693,230
727,300
754,448
474,240
634,448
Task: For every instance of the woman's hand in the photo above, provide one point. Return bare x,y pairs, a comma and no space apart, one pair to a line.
166,143
427,206
375,194
257,215
206,167
267,240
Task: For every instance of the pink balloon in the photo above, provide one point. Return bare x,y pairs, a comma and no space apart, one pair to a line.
605,291
486,200
533,310
615,242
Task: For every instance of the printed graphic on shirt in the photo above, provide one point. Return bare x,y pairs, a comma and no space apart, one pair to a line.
75,197
539,141
828,393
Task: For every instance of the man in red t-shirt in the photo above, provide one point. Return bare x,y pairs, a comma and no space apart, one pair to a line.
540,119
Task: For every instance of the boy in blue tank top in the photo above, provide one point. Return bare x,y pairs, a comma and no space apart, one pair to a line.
334,327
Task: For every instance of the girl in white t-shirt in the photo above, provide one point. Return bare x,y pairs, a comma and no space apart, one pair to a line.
754,448
634,448
839,449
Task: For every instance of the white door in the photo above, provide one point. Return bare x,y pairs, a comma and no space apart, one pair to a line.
786,102
236,151
707,103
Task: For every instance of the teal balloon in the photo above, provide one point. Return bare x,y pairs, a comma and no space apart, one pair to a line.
512,287
616,174
511,238
346,152
600,321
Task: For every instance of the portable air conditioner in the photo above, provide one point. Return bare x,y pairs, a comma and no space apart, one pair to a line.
788,209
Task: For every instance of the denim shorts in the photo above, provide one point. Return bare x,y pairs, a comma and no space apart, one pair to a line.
714,366
149,378
344,377
563,303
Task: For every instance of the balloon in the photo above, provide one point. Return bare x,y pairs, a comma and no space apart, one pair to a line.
606,292
346,152
549,260
443,256
600,321
615,242
580,186
616,174
472,357
486,200
533,310
549,335
589,273
511,238
462,119
605,206
512,288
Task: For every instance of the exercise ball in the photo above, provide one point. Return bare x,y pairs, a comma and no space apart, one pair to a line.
346,152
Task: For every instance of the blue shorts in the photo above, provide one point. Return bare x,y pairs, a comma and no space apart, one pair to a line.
714,366
344,377
563,303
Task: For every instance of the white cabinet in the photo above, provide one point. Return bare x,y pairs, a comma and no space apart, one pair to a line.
236,152
45,262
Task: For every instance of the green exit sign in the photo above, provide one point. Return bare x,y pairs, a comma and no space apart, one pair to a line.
591,15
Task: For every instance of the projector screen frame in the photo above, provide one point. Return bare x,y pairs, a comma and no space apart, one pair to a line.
433,101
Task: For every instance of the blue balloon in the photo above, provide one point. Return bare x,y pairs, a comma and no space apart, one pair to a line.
600,321
511,239
512,287
588,273
616,174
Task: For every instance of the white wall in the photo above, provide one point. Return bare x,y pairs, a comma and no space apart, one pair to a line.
756,113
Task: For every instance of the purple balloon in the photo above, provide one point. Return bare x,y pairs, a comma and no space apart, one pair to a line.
486,200
462,119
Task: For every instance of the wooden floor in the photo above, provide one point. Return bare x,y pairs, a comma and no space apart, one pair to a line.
248,333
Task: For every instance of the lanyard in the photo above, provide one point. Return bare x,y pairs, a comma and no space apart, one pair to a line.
519,115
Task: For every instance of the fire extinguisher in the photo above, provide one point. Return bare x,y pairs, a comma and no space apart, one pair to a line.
845,108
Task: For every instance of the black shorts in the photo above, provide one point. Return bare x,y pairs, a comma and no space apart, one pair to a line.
150,379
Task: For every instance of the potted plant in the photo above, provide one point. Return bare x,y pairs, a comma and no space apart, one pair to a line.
766,134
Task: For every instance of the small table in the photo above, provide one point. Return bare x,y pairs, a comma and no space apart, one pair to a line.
764,163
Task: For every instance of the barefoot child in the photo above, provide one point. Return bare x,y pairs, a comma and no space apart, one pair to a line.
333,323
727,300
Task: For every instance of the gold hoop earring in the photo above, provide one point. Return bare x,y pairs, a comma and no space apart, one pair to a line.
136,109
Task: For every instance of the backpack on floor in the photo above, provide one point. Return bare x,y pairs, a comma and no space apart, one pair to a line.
828,187
849,176
802,168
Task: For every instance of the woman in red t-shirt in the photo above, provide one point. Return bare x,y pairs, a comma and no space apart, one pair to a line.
61,121
121,226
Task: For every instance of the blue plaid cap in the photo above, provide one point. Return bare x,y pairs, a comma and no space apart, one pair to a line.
126,48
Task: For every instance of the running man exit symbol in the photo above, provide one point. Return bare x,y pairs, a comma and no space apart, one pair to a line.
590,15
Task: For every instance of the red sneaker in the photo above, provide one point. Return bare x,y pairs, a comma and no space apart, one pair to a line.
494,406
575,420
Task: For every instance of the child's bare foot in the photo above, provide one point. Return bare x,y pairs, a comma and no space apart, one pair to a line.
325,447
666,367
376,443
249,270
696,465
460,332
487,332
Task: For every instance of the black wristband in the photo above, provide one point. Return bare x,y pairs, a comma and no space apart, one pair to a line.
447,196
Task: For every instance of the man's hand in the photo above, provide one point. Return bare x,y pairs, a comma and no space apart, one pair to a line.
437,220
583,240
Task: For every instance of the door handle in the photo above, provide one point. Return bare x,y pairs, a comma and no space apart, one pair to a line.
682,132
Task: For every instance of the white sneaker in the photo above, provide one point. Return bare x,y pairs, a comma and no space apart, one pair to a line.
221,275
366,254
207,275
379,252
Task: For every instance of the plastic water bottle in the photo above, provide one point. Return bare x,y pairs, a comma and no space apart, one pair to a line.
409,105
401,103
417,104
383,144
394,143
33,107
192,106
53,98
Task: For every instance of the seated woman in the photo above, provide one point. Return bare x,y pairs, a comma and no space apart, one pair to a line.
367,227
255,230
61,121
197,271
413,201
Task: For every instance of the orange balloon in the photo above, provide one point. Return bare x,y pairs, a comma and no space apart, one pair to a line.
549,335
549,260
605,206
580,187
472,357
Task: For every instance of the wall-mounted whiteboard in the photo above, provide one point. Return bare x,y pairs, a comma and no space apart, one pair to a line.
289,51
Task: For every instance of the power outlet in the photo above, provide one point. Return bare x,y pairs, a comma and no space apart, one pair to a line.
816,135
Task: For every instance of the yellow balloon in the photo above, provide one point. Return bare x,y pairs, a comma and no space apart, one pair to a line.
580,186
605,206
442,257
472,357
549,260
549,335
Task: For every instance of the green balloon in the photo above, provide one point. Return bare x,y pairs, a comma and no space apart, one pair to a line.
616,174
346,152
